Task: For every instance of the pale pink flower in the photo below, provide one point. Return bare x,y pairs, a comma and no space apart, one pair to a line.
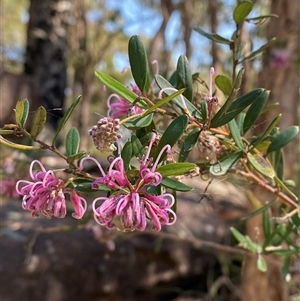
46,194
280,58
120,107
8,187
130,202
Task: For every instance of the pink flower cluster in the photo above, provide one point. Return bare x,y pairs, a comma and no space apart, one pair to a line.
120,107
130,203
46,195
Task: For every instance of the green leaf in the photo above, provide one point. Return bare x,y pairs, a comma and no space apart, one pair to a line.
283,138
236,107
272,125
76,156
242,10
84,185
126,154
224,84
10,144
139,63
117,87
261,264
259,210
232,96
235,133
66,117
137,147
38,122
258,51
175,185
260,19
163,101
72,142
267,224
261,165
163,83
255,110
175,169
172,134
213,37
25,112
204,111
244,240
221,168
138,122
240,122
188,144
19,111
184,77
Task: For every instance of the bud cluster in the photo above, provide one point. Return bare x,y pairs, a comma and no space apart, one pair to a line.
106,133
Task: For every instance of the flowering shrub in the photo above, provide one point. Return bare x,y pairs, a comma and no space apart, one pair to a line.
165,120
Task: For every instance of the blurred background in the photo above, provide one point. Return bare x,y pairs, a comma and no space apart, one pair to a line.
49,52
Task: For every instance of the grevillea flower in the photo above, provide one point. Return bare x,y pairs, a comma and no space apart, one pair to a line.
280,58
105,134
46,194
8,187
120,107
130,202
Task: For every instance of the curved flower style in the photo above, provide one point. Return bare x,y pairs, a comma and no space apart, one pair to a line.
120,107
130,202
46,195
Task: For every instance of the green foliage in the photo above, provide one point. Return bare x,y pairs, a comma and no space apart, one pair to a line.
39,121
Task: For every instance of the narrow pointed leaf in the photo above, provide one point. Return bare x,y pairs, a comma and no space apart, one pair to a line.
259,50
10,144
188,144
84,185
76,156
66,117
163,101
267,224
224,84
172,134
213,37
242,10
38,122
72,142
175,169
184,77
260,210
254,110
222,167
139,122
163,83
261,165
116,86
175,185
236,107
272,125
260,19
283,138
235,133
139,63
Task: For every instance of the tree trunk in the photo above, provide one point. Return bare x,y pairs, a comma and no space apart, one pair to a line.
280,75
45,59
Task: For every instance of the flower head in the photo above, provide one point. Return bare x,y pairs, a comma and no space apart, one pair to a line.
105,134
130,202
120,107
46,194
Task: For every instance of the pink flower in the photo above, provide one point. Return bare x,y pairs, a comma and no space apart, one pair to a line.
120,107
46,195
130,202
280,58
8,187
